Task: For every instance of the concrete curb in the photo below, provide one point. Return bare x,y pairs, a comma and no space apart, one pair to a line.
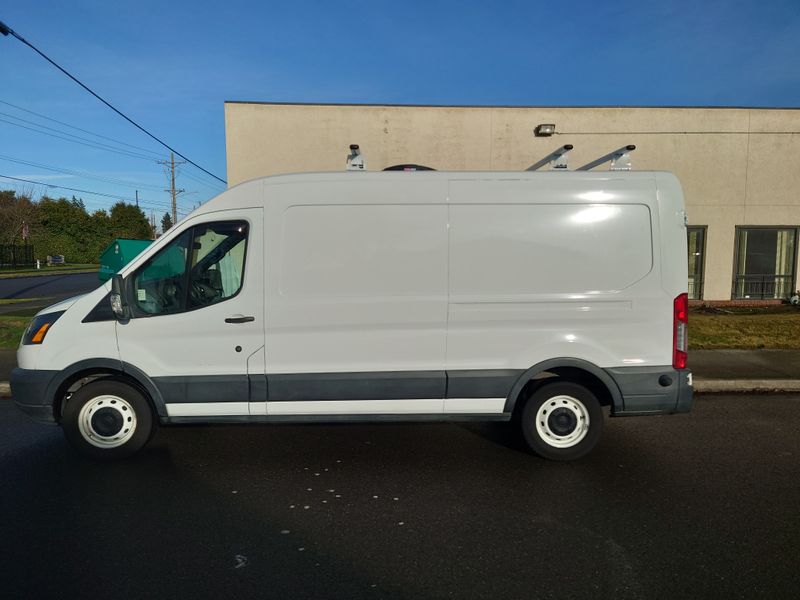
753,386
701,386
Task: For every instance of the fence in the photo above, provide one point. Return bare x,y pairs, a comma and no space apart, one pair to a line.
762,286
695,288
12,256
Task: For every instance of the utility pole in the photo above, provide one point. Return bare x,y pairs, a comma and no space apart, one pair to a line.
137,198
170,167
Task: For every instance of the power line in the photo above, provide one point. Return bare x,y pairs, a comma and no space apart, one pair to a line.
6,30
212,186
81,191
90,143
41,116
83,174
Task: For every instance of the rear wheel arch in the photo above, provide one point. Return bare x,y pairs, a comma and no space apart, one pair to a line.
568,369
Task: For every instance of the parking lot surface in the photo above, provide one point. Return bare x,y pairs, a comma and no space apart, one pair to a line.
692,506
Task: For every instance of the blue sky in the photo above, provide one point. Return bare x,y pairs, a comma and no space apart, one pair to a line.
171,65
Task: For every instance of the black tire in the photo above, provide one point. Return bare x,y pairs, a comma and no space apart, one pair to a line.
96,417
562,408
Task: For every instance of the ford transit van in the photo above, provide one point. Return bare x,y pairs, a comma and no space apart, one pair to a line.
548,298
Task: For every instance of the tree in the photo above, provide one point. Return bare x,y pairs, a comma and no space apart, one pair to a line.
128,221
78,202
16,213
166,222
65,229
62,226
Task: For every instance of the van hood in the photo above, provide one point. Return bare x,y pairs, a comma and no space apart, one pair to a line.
60,306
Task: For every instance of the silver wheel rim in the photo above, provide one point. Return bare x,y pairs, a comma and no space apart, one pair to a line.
568,407
114,409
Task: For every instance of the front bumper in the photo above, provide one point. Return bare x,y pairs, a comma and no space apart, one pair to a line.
653,390
29,390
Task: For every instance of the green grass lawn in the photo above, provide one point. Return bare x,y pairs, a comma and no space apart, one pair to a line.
11,329
7,301
772,328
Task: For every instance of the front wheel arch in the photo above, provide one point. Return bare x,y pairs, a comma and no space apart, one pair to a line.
95,368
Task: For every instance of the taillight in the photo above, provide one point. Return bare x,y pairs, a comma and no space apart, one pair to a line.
680,331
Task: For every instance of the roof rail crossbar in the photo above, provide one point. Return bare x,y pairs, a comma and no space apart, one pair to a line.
620,159
556,159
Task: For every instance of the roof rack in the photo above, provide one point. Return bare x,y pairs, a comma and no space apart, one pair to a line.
620,159
556,159
355,160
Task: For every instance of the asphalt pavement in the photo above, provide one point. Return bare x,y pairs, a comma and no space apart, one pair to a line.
694,506
49,288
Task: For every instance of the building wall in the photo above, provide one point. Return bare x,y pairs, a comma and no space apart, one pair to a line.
738,166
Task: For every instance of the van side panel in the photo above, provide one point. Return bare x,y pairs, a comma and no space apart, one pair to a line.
356,283
545,269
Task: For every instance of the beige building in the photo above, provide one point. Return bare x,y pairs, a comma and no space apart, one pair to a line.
740,167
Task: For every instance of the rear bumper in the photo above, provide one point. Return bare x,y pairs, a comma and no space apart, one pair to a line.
653,390
29,392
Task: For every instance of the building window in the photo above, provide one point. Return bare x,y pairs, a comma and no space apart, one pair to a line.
697,260
765,262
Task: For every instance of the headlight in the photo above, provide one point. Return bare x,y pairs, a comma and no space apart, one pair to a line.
39,327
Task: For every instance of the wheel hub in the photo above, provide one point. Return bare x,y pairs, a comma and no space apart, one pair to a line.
562,421
107,422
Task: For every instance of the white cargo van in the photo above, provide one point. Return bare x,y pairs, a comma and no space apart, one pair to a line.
365,296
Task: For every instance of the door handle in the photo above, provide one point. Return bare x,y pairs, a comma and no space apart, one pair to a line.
239,319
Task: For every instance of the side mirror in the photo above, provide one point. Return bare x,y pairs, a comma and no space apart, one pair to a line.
118,303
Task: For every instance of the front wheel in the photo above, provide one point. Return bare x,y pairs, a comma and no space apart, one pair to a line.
562,421
108,419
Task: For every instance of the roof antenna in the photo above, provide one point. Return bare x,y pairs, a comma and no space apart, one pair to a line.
557,159
620,159
355,160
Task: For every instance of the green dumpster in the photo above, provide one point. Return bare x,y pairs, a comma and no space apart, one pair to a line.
118,254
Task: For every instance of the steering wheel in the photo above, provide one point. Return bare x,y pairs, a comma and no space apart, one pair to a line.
200,293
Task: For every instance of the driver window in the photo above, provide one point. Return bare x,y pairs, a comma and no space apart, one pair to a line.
159,287
202,266
217,262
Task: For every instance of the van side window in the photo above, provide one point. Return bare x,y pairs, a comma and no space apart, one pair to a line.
202,266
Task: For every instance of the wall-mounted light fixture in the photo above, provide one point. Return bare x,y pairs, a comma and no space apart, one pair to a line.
544,130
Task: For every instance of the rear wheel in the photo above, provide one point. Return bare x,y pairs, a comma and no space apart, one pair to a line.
108,419
562,421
